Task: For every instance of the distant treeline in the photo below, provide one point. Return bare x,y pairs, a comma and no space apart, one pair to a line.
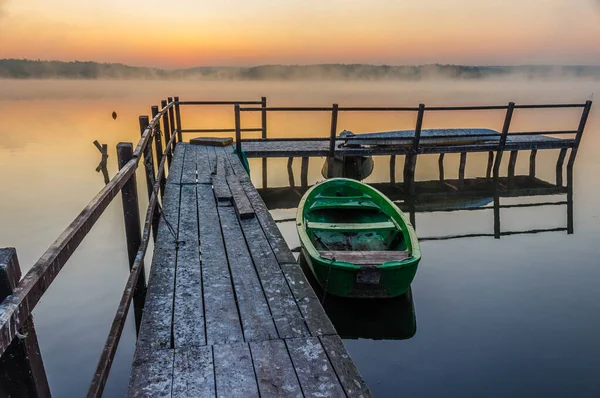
28,69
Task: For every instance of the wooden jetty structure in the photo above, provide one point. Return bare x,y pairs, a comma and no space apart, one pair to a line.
226,310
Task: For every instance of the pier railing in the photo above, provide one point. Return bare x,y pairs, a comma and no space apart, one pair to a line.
22,295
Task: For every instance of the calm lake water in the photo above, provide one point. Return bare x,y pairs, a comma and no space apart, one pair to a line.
516,316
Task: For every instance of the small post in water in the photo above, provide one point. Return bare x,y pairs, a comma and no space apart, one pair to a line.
332,135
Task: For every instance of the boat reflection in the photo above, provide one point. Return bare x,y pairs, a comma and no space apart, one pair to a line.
391,319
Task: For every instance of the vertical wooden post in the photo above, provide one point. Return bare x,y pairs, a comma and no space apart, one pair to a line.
496,210
133,231
166,128
332,135
441,166
393,169
570,222
410,162
263,105
512,162
488,172
461,169
559,166
502,143
159,151
304,173
532,163
291,172
172,130
582,122
238,131
149,166
178,118
22,371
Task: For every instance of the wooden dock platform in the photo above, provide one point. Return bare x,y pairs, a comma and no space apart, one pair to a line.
228,310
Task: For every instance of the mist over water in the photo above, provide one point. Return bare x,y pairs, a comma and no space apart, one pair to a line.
487,310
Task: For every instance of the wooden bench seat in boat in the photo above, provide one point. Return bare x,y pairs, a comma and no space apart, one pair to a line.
366,257
383,225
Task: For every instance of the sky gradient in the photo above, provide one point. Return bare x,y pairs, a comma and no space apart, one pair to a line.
187,33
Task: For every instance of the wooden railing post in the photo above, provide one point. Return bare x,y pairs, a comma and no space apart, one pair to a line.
172,129
503,136
332,136
159,150
410,162
149,166
238,130
167,129
582,123
178,119
22,372
263,105
133,231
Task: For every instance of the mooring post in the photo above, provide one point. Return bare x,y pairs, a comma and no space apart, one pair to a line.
532,163
502,143
559,166
332,135
304,172
441,166
512,162
133,231
490,165
238,131
159,151
263,113
22,372
392,169
584,117
166,129
290,171
461,169
178,118
149,166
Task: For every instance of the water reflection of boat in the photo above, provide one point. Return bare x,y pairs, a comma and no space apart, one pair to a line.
391,319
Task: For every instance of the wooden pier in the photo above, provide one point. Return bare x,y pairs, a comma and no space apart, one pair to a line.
228,309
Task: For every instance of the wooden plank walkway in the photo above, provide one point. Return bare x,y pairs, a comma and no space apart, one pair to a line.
229,312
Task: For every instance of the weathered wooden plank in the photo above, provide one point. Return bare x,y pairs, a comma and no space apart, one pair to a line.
366,257
236,165
234,372
314,315
188,174
276,240
256,318
152,373
203,170
275,372
193,373
221,314
316,375
188,315
210,141
240,201
347,373
155,329
286,313
176,167
222,192
212,158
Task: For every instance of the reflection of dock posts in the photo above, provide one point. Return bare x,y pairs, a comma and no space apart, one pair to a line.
461,169
171,131
559,166
496,209
332,134
21,366
503,136
131,213
512,162
263,117
290,171
490,164
392,169
159,151
570,226
304,173
178,119
410,162
441,166
532,163
149,166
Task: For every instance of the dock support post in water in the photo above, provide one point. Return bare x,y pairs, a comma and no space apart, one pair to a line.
133,231
441,166
410,163
512,162
503,136
304,173
332,135
22,371
290,171
392,169
461,169
488,172
559,166
532,163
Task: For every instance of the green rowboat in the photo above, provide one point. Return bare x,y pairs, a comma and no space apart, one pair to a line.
356,241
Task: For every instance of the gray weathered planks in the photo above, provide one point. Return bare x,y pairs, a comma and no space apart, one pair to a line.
240,201
193,373
275,372
345,369
152,373
234,372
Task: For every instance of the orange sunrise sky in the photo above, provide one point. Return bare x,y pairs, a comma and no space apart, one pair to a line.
185,33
